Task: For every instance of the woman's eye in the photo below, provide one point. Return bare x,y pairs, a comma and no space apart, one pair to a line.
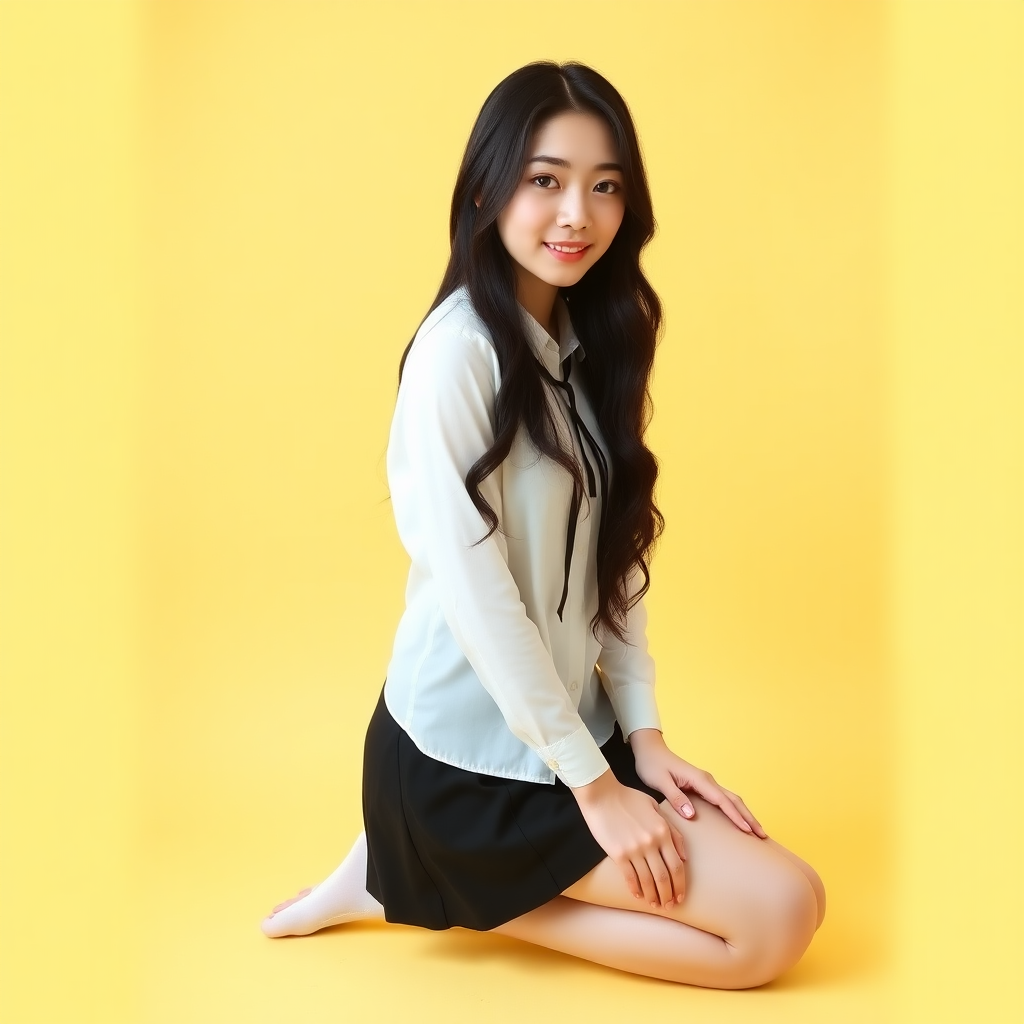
606,188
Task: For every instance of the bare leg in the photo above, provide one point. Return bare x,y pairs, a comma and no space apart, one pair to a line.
748,914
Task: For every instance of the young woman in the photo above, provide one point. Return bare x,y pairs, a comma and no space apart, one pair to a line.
515,775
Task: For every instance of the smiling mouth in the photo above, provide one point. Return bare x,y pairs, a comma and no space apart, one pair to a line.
570,249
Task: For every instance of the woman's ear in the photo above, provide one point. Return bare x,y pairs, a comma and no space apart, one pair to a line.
476,199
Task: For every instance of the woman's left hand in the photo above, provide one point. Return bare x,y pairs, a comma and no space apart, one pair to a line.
668,773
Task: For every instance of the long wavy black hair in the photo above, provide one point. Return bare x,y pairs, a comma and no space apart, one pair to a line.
613,308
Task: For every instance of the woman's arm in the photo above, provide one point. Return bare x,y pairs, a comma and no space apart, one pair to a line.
627,670
443,423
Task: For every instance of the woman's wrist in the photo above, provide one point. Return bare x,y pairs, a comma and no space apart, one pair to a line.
643,739
599,789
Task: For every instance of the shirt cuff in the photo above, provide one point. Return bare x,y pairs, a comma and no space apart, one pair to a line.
636,708
576,759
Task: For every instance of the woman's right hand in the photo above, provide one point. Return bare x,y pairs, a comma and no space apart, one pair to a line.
629,827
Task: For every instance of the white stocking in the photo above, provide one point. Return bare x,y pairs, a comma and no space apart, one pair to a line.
339,898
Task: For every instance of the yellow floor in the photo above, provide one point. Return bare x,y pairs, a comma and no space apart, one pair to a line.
205,959
247,801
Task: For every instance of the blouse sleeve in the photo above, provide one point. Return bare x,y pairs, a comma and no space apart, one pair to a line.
441,426
627,671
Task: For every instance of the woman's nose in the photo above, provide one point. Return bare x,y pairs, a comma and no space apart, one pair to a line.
574,211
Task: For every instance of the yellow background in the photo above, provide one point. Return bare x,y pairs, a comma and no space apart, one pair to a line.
221,222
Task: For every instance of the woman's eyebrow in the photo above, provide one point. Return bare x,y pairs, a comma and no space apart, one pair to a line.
559,162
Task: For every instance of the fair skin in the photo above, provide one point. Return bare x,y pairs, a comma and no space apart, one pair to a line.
692,889
749,913
581,204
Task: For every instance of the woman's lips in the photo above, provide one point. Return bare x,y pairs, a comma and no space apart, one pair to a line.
567,257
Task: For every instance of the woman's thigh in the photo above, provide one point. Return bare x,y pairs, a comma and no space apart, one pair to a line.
749,891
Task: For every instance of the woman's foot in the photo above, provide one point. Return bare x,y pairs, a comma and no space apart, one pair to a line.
339,898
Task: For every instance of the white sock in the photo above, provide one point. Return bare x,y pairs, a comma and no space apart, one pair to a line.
339,898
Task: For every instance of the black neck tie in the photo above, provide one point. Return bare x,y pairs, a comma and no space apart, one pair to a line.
581,431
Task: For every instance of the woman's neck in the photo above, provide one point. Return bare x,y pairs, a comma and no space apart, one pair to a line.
540,300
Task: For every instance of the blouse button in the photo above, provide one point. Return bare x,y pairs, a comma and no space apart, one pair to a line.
553,765
574,685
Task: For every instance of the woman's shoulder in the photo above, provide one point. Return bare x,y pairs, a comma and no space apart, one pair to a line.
452,333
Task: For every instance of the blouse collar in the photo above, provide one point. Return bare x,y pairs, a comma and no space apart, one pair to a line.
551,353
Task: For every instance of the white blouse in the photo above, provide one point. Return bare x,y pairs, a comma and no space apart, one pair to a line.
487,672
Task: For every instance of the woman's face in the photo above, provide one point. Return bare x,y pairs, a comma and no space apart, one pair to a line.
571,192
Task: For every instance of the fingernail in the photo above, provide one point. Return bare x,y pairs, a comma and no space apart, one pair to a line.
688,811
636,895
747,827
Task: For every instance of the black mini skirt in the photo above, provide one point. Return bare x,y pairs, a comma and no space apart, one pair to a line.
447,847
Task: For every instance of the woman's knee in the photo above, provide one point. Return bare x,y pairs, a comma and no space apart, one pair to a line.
783,919
818,888
810,874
